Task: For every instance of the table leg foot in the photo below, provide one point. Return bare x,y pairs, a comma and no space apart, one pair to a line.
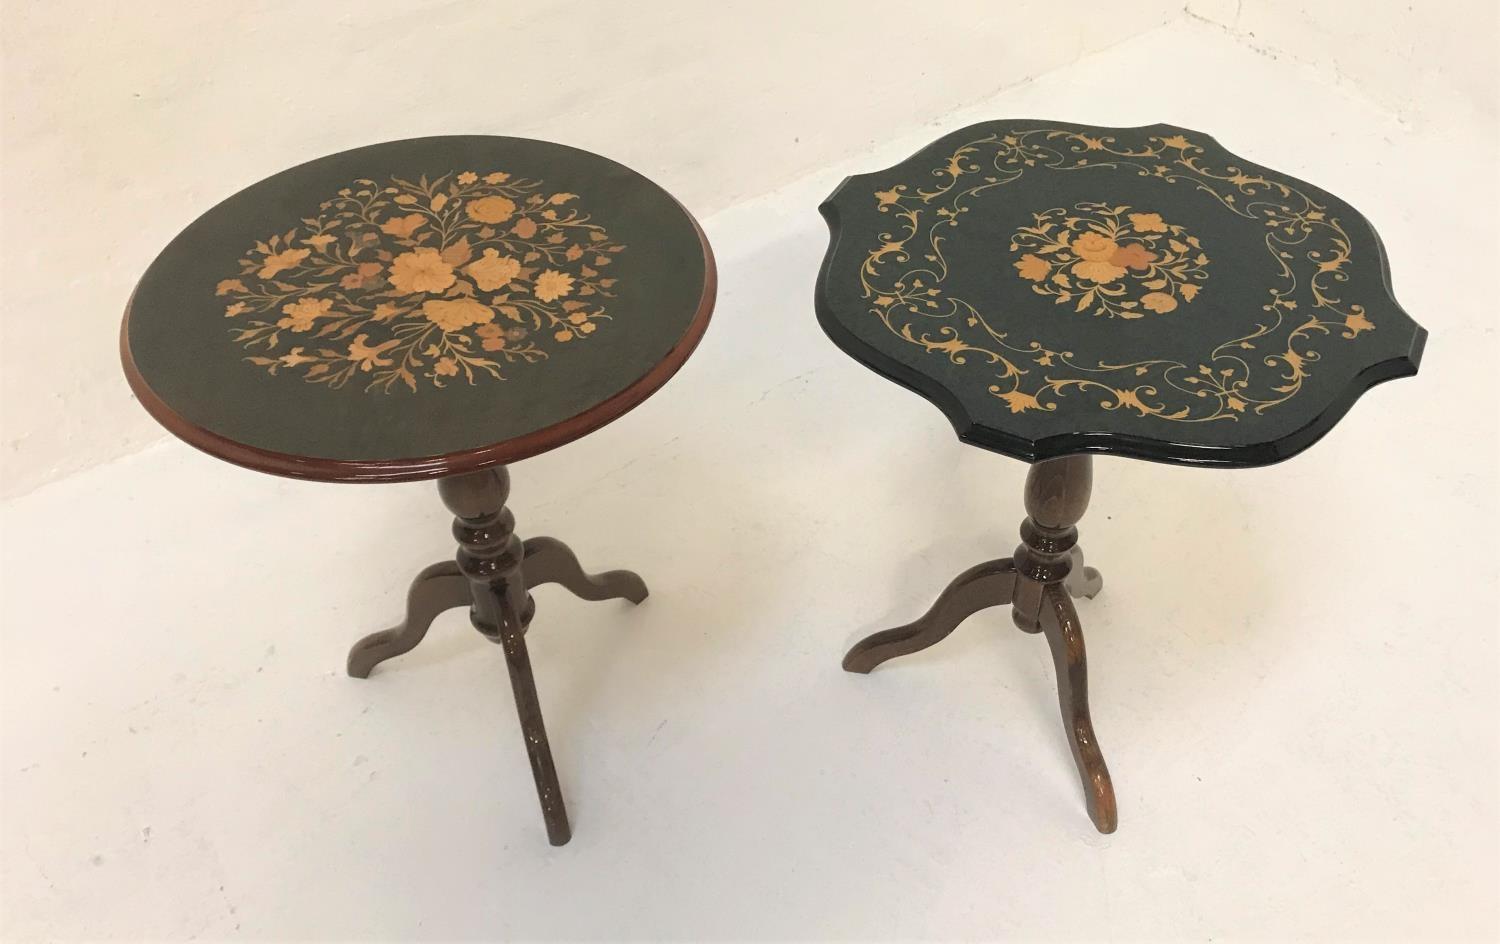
1082,581
548,560
1065,638
985,585
437,588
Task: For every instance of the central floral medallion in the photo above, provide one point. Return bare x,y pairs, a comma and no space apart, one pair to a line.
398,281
1110,260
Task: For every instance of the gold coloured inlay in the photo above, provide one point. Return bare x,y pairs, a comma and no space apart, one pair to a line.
1110,260
904,278
433,281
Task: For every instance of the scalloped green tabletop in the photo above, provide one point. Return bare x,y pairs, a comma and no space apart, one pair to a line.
1059,288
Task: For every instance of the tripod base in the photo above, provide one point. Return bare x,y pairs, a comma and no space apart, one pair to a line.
1038,583
492,576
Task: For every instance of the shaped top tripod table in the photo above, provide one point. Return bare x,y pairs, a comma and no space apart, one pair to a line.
1059,290
428,309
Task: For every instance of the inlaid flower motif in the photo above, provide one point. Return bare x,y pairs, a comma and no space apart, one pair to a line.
1110,260
1096,271
491,337
1034,267
456,314
444,280
492,271
1158,301
421,270
552,285
492,209
301,314
1094,247
1133,256
366,274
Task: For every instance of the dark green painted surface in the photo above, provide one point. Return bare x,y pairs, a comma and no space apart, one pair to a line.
183,344
1127,381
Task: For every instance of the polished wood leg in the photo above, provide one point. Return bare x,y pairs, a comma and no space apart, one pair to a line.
438,588
548,560
1038,582
512,630
490,556
1065,637
975,589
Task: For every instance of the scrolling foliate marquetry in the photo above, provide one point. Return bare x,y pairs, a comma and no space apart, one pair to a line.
423,283
1103,259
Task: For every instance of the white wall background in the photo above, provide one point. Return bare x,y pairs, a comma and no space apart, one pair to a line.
1402,55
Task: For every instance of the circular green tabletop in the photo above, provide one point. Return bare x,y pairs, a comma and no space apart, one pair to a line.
418,308
1059,288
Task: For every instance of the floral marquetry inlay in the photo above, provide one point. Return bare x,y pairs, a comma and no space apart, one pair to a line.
1110,260
414,283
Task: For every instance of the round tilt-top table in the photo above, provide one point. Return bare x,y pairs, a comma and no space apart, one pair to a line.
433,308
1059,290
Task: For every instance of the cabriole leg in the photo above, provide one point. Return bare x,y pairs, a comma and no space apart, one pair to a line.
982,586
548,560
437,588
